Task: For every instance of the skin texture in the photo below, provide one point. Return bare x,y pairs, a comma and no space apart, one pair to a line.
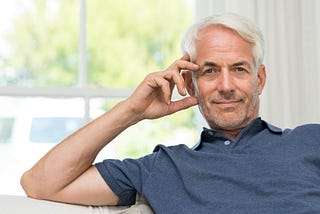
226,85
222,80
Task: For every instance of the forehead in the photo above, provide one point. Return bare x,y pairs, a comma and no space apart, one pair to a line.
221,44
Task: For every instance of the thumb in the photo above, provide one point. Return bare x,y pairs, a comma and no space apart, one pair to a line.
182,104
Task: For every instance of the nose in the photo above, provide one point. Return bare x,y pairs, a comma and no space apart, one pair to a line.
225,82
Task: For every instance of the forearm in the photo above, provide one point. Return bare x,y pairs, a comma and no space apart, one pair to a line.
66,171
70,158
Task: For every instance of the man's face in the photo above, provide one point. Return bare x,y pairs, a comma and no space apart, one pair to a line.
227,84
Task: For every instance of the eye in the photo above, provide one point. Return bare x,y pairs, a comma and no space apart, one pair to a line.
240,70
208,71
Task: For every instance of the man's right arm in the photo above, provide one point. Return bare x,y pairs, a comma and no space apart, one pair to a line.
66,173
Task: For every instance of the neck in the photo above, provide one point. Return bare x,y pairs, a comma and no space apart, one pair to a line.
231,134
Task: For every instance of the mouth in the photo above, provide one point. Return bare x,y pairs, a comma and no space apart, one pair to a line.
227,104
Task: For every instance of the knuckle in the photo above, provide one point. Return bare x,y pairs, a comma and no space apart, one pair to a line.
152,75
177,61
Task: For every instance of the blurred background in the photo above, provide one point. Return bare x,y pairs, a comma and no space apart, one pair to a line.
64,63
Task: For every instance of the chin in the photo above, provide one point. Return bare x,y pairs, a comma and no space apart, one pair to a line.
228,122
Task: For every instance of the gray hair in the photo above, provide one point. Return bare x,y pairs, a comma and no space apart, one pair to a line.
243,26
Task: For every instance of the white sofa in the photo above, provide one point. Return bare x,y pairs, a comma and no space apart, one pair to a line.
21,204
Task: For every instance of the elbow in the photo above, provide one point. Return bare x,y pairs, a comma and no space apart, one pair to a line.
30,186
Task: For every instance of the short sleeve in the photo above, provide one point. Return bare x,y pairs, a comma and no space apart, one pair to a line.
126,177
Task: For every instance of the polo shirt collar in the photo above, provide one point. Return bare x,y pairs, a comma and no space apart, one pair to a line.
272,128
253,128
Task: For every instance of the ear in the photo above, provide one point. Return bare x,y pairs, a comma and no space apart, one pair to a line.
261,78
187,76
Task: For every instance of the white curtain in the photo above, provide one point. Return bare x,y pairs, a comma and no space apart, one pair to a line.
292,36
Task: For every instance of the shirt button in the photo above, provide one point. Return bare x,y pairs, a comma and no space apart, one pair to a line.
210,133
227,142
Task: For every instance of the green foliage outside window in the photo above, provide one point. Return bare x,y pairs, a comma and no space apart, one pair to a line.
125,40
43,44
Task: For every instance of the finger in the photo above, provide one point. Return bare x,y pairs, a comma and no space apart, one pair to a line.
175,72
174,76
184,65
185,57
182,104
164,85
177,79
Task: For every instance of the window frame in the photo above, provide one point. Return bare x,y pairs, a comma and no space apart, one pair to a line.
81,90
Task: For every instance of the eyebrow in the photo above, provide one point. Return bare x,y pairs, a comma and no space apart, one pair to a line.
211,64
240,63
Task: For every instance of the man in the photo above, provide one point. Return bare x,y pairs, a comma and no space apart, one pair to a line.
240,165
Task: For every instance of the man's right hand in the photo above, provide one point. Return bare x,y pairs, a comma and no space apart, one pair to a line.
152,98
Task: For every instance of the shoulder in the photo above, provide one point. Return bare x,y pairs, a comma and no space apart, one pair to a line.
306,128
175,148
172,153
306,131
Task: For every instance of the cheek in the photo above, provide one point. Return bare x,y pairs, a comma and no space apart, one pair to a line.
202,87
204,95
247,88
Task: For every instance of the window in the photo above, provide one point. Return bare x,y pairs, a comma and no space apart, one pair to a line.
6,124
53,129
63,63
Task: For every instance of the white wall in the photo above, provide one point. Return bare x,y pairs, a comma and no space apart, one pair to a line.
292,36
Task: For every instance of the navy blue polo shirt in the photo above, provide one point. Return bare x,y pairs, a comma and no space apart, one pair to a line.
265,170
